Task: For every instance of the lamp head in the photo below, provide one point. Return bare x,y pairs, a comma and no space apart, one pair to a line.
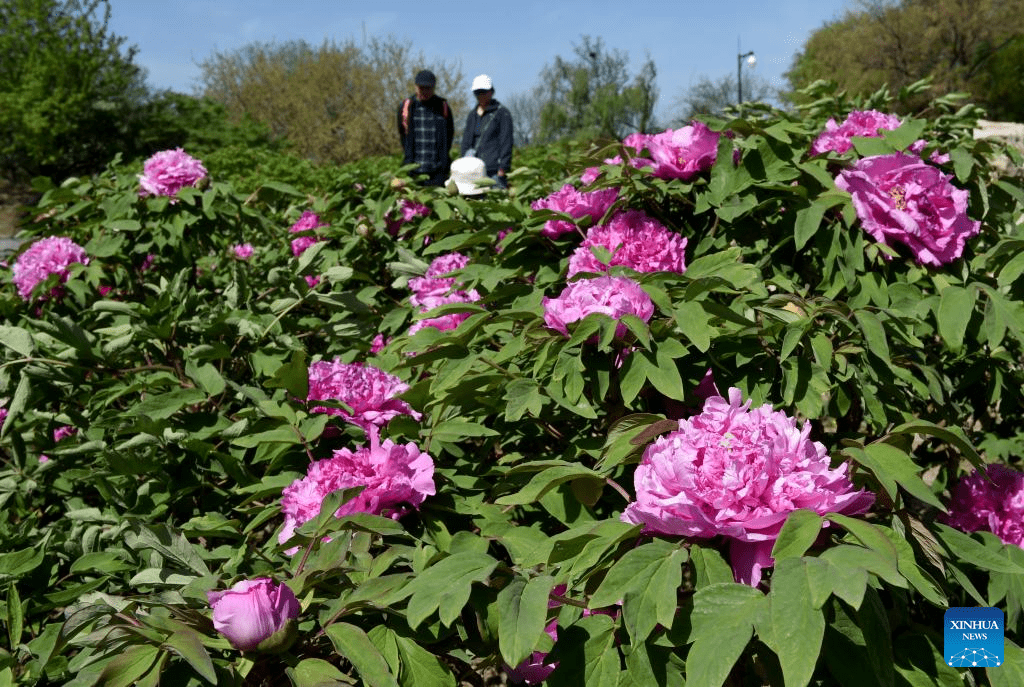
752,60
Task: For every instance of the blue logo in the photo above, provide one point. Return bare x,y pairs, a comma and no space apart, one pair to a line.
973,637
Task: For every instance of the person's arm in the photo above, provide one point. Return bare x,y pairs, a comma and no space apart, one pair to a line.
467,135
402,133
504,140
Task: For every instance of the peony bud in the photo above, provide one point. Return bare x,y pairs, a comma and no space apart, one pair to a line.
256,614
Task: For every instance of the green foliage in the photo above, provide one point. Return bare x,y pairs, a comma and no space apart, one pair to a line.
186,382
65,87
961,45
335,103
592,95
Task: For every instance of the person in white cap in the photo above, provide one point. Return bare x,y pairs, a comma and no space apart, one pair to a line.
488,132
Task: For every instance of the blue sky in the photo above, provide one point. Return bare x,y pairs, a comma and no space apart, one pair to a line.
509,41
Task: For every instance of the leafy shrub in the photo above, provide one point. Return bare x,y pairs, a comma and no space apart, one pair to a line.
184,368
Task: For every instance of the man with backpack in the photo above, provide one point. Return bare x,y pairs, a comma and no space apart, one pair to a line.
488,132
427,130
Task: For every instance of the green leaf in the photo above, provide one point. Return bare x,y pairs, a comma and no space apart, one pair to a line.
445,586
186,643
694,323
18,563
544,481
892,465
975,553
709,566
797,625
798,533
459,430
956,305
169,544
950,435
162,406
353,643
874,334
420,668
15,617
292,376
316,672
207,376
17,339
1011,673
522,615
586,654
128,666
722,624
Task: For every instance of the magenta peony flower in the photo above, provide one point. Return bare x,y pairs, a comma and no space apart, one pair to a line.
634,240
378,343
242,251
737,472
370,392
680,154
867,123
576,204
169,171
254,611
407,211
591,174
50,255
995,506
63,432
433,290
396,476
900,197
308,223
3,416
612,296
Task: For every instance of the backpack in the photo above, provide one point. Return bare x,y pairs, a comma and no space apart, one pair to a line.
407,105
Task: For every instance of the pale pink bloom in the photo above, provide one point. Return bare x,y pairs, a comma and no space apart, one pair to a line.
43,458
434,290
242,251
63,432
447,321
591,174
738,472
611,296
681,153
866,123
47,256
635,241
307,224
396,477
902,198
252,611
576,204
169,171
936,158
370,392
995,506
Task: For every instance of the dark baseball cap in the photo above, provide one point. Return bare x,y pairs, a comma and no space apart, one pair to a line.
426,78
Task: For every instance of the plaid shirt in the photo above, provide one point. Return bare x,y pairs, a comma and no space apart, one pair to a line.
424,136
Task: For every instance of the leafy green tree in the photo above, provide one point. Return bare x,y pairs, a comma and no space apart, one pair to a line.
712,96
332,103
593,96
962,45
66,84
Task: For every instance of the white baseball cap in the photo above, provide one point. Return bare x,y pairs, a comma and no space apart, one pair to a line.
466,171
482,83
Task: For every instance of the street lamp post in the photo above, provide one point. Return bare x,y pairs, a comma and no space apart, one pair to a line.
751,61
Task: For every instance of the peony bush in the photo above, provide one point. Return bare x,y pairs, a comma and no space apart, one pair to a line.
747,413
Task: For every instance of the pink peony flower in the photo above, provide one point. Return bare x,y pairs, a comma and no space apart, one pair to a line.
169,171
254,611
370,392
308,223
50,255
43,458
576,204
634,240
63,432
867,123
378,343
737,472
407,211
900,197
3,416
680,154
995,506
242,251
434,290
612,296
591,174
396,477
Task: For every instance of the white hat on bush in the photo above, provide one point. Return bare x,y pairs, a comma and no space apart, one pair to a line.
466,171
482,83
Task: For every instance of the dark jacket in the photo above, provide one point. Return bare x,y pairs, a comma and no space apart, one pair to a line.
494,147
439,163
